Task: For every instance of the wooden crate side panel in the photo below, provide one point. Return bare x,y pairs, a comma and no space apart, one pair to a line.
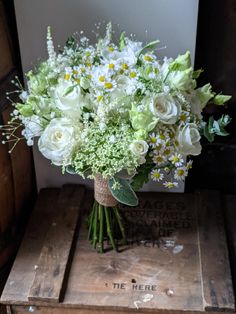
6,62
216,276
22,169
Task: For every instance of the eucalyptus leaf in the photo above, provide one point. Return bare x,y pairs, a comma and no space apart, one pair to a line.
124,193
221,99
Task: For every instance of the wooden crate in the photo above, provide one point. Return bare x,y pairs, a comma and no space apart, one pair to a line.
176,259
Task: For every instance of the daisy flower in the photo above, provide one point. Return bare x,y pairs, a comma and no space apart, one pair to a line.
180,173
152,139
177,160
156,175
170,185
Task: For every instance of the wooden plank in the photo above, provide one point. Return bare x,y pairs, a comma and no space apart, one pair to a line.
6,63
49,276
230,217
216,277
145,269
22,170
22,273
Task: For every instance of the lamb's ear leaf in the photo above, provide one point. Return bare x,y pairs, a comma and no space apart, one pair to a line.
124,193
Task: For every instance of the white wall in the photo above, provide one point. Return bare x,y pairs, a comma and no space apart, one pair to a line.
174,22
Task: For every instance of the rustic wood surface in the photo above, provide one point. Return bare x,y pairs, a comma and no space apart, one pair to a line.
22,169
6,62
165,269
230,216
51,267
216,276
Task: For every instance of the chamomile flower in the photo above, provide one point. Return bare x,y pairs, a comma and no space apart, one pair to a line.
170,185
180,173
159,159
152,139
156,175
177,160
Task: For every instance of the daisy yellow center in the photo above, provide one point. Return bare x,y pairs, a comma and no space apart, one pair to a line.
172,135
180,172
82,69
156,175
110,49
75,72
153,140
159,159
124,66
111,66
166,152
67,76
147,58
89,65
162,137
77,80
108,85
102,78
100,97
175,159
132,74
89,76
170,185
183,117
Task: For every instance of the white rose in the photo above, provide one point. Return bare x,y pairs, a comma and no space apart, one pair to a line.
139,148
68,99
57,141
189,140
166,108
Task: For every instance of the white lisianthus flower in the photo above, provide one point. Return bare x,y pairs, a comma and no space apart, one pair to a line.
33,128
139,148
165,108
58,140
189,140
68,99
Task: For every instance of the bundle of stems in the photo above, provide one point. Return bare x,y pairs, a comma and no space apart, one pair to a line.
105,223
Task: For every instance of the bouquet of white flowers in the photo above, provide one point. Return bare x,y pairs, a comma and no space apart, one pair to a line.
117,114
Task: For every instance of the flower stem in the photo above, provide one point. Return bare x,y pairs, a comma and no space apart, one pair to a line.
95,238
90,221
109,231
119,220
101,214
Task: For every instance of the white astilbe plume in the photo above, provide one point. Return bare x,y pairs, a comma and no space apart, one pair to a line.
50,46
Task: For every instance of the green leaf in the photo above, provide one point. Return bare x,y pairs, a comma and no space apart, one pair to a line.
150,45
124,193
122,41
142,175
221,99
197,73
69,90
209,136
71,42
70,169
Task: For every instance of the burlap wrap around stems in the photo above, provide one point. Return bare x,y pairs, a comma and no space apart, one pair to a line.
102,193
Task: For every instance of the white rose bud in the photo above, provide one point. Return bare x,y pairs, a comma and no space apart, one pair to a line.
139,148
68,99
166,108
189,140
57,141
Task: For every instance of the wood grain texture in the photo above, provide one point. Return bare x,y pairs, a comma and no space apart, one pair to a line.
230,217
154,274
6,62
23,270
216,276
49,276
22,170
